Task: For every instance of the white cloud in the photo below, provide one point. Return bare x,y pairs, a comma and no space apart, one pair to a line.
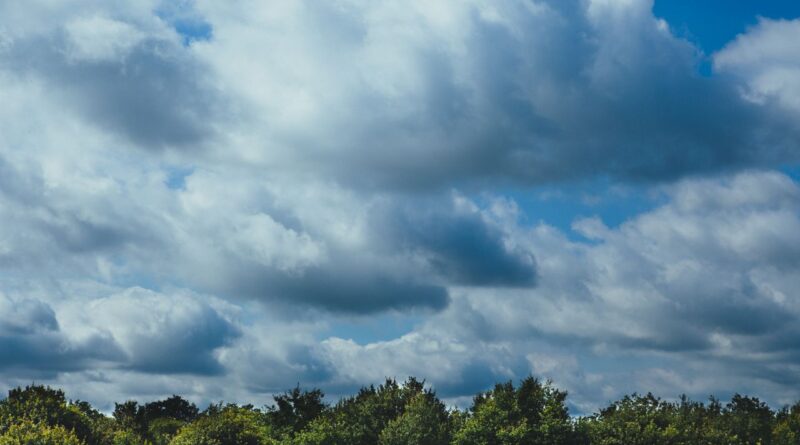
767,60
707,279
311,162
99,38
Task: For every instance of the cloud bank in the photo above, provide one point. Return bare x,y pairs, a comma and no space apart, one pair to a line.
218,190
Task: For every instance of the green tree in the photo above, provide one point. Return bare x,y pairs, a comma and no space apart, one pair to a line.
174,407
633,420
324,430
44,406
228,425
127,437
27,432
130,416
534,413
295,409
359,420
161,431
157,421
749,420
423,422
787,426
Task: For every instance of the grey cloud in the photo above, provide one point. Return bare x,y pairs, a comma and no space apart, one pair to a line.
478,375
459,244
135,329
654,303
26,316
364,291
508,92
165,334
410,251
292,198
51,353
154,93
58,230
31,340
300,363
346,284
360,256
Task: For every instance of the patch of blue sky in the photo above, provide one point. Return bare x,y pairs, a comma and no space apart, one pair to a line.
134,279
192,30
792,171
711,24
702,22
363,330
563,204
182,16
176,177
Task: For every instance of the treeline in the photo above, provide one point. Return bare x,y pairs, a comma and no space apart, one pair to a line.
532,412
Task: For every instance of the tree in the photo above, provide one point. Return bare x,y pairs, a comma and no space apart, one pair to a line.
162,430
130,416
42,405
174,407
423,422
634,420
28,432
534,413
787,426
359,420
295,409
228,425
749,420
156,421
127,437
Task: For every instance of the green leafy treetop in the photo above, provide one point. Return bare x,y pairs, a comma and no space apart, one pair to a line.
226,425
359,420
45,406
294,410
423,422
534,414
28,432
787,427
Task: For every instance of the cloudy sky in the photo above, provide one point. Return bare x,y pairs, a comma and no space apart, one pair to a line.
225,199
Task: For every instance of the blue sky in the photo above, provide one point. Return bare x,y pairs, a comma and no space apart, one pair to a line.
711,24
223,200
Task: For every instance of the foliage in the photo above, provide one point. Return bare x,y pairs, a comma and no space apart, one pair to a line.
787,427
359,420
534,413
162,430
127,437
424,422
228,425
294,410
27,432
45,406
155,422
408,413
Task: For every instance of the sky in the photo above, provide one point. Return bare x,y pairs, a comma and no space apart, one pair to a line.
226,199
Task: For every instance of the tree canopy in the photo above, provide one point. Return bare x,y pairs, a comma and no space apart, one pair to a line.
531,412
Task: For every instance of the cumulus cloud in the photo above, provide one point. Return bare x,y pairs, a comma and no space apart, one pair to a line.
32,342
122,68
766,61
164,333
708,277
424,95
207,189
